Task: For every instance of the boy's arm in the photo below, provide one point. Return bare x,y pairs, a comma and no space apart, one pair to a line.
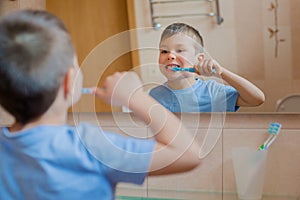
249,94
176,149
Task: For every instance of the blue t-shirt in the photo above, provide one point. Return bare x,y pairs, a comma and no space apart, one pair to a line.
64,162
203,96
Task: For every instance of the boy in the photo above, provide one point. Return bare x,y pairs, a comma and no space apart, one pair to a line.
41,156
182,46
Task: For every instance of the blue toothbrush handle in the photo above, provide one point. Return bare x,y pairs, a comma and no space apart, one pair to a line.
191,69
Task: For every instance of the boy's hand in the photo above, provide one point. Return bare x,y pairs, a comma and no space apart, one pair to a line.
208,67
119,88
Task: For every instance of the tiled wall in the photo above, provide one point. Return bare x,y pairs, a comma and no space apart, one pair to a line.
214,179
7,6
5,118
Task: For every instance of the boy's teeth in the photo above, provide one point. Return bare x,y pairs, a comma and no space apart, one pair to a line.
171,66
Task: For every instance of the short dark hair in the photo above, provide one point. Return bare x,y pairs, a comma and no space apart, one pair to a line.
35,53
186,29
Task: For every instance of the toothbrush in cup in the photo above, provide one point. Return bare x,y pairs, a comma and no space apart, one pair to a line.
274,130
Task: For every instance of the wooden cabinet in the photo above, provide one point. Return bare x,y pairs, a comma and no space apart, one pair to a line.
96,27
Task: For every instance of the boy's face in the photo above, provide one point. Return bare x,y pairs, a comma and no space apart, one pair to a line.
177,51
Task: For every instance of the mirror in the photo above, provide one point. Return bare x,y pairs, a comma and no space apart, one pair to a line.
258,40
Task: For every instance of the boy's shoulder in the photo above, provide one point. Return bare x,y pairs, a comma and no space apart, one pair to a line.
160,90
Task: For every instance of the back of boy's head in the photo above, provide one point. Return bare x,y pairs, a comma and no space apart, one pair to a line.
182,28
35,53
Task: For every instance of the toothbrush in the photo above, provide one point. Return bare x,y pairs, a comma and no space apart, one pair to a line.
274,129
87,90
190,69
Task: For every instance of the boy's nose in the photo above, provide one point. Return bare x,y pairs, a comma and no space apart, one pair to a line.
171,56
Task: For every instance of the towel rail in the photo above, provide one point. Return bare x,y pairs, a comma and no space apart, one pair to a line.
157,25
178,1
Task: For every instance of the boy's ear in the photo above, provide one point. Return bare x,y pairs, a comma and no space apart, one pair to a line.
200,56
68,80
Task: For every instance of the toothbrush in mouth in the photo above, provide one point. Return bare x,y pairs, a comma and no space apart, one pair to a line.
177,68
189,69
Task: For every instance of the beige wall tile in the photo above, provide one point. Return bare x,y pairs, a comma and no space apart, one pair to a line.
5,118
34,4
207,177
7,6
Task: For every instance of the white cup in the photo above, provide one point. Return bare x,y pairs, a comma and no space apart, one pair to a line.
249,169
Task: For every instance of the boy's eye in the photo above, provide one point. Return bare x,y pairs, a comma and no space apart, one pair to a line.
163,51
180,50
